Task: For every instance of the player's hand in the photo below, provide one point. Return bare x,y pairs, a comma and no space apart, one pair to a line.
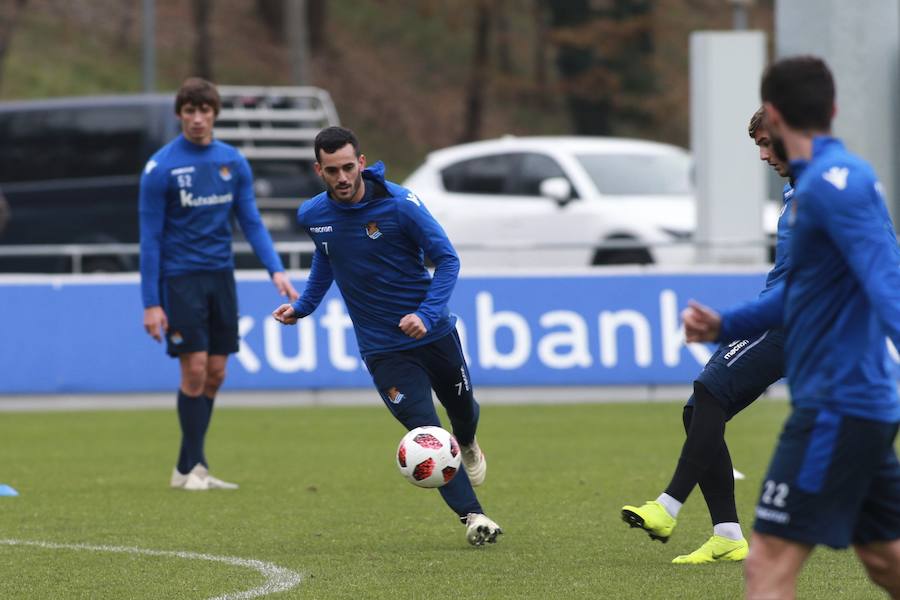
701,323
155,322
285,314
284,287
413,326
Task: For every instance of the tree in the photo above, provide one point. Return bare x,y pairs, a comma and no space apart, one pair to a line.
272,13
603,52
202,10
478,74
9,17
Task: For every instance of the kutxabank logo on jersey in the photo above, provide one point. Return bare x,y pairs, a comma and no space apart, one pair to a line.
188,200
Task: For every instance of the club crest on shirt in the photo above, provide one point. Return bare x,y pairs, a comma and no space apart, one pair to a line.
372,230
225,173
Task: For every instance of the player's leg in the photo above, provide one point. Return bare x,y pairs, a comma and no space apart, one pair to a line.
223,340
185,303
406,391
819,489
659,517
749,368
882,562
877,535
772,567
449,374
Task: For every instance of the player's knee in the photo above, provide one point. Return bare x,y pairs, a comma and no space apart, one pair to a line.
214,377
756,569
702,393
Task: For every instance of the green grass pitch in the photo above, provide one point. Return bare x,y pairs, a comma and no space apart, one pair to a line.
320,495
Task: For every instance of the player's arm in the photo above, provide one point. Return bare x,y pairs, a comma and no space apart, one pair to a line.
756,316
320,278
418,223
704,324
152,216
858,223
256,233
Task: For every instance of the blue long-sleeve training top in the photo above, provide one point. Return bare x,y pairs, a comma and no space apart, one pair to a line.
782,241
374,250
188,194
841,295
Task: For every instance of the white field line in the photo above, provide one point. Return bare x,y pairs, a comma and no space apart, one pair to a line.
278,579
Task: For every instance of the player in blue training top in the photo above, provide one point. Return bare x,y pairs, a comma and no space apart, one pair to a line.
834,478
372,237
734,377
190,190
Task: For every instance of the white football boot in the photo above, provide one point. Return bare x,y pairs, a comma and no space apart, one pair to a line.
178,480
212,483
481,530
474,462
199,480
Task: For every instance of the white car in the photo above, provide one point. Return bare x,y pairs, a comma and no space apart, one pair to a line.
562,201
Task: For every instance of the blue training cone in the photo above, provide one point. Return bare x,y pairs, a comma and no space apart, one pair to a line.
5,490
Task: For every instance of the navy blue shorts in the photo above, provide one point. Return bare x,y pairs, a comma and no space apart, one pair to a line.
202,312
834,480
405,380
739,372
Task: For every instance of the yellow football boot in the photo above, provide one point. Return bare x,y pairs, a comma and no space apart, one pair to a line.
652,517
716,549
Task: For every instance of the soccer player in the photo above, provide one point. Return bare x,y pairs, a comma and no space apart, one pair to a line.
372,237
190,189
834,478
734,377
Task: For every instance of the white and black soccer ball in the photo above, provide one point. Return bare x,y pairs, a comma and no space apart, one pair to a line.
428,456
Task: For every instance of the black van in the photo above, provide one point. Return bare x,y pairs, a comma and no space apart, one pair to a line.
70,168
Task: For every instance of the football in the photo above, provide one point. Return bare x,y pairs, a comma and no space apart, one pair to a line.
428,456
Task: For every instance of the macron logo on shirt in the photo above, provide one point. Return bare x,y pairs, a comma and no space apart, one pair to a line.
151,164
837,176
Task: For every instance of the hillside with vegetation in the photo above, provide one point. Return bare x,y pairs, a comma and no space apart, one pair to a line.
409,77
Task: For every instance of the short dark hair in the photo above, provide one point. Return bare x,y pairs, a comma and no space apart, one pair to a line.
802,89
331,139
197,91
756,121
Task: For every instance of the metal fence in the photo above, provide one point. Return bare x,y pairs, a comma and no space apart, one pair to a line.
299,252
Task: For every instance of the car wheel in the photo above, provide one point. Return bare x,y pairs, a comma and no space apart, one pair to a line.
622,256
101,264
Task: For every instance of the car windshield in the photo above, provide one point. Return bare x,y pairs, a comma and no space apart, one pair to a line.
639,174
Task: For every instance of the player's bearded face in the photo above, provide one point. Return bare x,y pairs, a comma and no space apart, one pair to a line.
346,189
341,172
778,148
771,122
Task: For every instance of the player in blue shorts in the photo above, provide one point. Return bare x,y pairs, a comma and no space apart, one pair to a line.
190,190
736,375
834,478
372,237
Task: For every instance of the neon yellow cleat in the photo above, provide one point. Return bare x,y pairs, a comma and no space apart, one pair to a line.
653,518
716,549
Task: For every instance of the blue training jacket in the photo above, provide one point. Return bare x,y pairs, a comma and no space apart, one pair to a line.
375,251
841,295
782,242
188,194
